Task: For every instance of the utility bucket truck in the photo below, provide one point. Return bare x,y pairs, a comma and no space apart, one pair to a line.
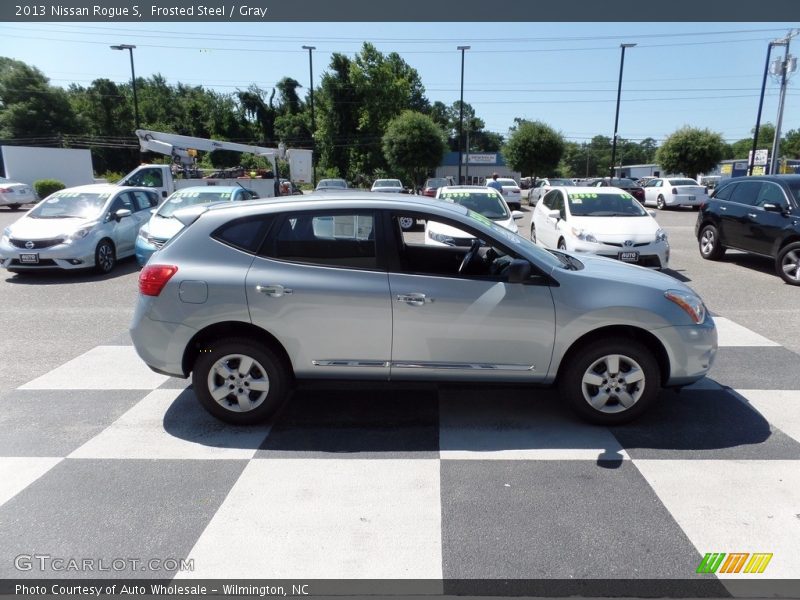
183,172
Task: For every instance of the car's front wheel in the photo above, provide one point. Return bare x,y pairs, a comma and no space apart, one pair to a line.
609,382
710,247
240,381
105,257
660,203
13,206
406,223
788,263
533,233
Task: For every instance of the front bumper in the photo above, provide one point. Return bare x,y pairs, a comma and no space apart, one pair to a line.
144,250
691,350
67,255
653,254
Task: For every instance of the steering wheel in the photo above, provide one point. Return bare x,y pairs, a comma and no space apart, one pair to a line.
473,251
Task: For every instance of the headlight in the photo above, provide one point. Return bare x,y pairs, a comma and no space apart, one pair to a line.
6,235
584,235
80,233
441,238
661,235
692,304
143,233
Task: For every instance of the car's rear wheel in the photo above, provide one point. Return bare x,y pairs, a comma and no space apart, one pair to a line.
240,381
13,206
562,245
710,247
660,204
609,382
406,223
788,263
533,233
105,257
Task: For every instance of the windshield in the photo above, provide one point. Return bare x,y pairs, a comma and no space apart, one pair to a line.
66,204
392,183
488,204
623,183
436,182
605,204
187,197
561,182
332,183
683,182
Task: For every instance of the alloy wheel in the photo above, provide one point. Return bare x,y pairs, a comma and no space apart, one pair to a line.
238,382
613,383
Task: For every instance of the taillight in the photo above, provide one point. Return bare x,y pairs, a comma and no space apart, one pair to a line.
5,190
153,278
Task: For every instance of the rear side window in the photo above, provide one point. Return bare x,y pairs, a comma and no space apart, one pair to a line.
245,233
724,192
331,240
746,192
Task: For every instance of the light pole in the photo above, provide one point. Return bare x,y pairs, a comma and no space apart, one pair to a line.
313,120
130,48
461,115
770,46
616,117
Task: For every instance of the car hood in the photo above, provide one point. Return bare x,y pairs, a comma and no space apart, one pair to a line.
163,229
609,269
41,229
618,229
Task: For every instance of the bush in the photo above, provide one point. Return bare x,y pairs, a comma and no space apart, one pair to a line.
45,187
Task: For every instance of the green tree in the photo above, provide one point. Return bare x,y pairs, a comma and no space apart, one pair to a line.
534,149
790,145
741,148
413,145
691,151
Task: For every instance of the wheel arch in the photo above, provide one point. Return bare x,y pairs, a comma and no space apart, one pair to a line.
789,239
650,341
213,333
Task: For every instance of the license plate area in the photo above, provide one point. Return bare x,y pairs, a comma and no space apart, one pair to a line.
29,259
692,197
629,256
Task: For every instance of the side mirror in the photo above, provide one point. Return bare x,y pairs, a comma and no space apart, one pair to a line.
772,207
517,214
554,214
122,213
519,270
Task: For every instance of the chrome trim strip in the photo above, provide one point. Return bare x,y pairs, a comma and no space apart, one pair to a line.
466,366
350,363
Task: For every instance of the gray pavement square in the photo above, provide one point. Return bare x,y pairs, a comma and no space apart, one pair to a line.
756,368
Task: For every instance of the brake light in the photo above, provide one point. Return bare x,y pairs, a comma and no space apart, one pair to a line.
153,278
5,190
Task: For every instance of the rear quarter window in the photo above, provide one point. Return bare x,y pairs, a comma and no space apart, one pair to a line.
246,233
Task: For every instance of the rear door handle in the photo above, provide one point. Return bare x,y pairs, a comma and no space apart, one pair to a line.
752,215
414,299
275,291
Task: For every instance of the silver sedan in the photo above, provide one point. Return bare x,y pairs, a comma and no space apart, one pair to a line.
249,298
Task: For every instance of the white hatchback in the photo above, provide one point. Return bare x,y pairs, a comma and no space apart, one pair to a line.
14,194
604,221
483,200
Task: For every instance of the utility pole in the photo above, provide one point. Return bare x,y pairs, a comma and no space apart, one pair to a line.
786,66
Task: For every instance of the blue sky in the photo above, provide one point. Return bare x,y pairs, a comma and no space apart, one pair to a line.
565,74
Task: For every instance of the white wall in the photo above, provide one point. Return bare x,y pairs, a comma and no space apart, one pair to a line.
27,164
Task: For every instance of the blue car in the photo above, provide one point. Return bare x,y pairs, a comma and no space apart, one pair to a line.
162,225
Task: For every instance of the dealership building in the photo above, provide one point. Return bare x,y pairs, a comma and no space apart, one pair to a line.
476,167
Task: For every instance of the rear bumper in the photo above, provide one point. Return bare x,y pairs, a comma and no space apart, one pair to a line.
161,345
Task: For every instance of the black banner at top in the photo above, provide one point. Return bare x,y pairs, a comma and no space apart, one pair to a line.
400,11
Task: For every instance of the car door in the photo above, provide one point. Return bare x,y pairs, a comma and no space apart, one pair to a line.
651,191
319,286
452,325
123,231
764,227
735,214
547,226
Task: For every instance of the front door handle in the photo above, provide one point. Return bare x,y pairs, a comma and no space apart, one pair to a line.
752,215
275,291
414,299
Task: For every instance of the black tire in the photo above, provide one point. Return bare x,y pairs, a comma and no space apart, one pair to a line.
105,257
267,369
787,263
709,244
533,233
591,362
13,206
562,245
660,204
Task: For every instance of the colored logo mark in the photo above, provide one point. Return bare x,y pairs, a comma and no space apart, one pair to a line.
734,562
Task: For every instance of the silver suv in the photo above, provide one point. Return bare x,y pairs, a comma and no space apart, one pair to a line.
248,298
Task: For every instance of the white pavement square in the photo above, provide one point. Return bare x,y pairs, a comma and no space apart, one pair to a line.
780,407
734,506
18,473
730,333
327,519
141,433
101,368
476,426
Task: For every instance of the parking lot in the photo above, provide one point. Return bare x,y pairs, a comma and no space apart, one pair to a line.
416,482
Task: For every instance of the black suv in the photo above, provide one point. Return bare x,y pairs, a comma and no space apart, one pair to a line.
758,214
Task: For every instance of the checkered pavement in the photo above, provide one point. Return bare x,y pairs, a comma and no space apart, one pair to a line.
102,458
